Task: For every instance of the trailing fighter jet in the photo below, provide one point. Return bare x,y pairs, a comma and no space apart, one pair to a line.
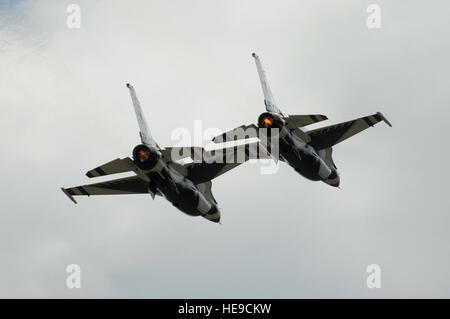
157,172
308,152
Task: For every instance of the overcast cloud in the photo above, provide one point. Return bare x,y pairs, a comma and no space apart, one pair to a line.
65,110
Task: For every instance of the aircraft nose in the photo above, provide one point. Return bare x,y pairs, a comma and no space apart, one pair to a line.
216,220
335,184
333,180
213,215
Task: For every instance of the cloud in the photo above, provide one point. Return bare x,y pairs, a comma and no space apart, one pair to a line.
66,110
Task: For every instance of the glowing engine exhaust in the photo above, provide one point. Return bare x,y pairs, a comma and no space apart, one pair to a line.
145,157
270,120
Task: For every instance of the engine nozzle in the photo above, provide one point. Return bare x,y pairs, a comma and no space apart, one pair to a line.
270,120
145,157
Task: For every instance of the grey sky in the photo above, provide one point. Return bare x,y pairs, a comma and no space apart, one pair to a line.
65,110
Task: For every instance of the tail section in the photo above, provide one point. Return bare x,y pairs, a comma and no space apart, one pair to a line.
144,132
269,101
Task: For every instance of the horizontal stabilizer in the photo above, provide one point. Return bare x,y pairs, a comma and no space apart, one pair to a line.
114,167
239,133
304,120
177,153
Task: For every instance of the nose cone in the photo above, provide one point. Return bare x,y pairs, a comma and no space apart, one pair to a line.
213,215
333,180
216,220
335,184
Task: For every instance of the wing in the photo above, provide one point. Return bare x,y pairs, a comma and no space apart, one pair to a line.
244,132
328,136
127,185
218,162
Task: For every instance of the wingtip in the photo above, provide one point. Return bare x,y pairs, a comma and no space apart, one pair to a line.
68,195
384,119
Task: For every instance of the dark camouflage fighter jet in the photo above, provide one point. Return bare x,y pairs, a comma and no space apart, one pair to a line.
308,152
158,172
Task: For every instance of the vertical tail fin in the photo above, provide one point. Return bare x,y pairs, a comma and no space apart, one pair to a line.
269,101
144,132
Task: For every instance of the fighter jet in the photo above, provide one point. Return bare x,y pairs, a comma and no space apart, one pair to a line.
308,152
160,171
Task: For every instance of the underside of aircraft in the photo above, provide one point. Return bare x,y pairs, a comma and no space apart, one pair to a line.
158,173
308,152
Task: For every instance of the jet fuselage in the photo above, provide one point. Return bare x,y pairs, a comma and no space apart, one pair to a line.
184,194
299,154
176,188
